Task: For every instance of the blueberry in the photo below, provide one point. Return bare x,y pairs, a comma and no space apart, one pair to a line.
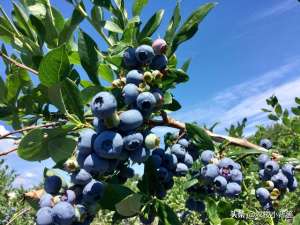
179,151
159,96
236,176
63,213
80,158
108,145
169,183
237,166
85,140
161,192
188,160
127,172
130,120
292,184
93,191
130,59
207,156
220,183
233,189
162,174
156,160
95,164
200,206
46,200
159,46
82,177
146,101
210,172
113,164
288,170
69,196
152,141
130,93
52,184
226,163
181,169
104,105
134,77
271,167
280,181
265,143
144,54
170,161
262,194
99,125
133,141
185,143
159,151
159,62
140,155
147,220
225,172
44,216
190,204
264,176
262,159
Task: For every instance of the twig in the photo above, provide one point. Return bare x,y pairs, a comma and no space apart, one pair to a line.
18,64
18,214
30,128
13,149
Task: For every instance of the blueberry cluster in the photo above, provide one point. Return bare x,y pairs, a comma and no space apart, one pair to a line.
277,180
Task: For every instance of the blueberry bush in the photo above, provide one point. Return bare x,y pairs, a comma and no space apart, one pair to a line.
96,126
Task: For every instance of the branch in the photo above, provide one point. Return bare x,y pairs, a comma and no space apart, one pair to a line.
23,211
13,149
18,64
170,122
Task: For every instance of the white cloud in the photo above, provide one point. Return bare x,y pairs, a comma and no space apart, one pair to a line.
277,9
3,130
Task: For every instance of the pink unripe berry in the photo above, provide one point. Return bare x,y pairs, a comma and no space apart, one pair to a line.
159,46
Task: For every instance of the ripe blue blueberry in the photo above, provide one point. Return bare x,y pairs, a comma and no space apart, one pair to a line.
44,216
140,155
69,196
95,164
159,62
85,140
133,141
207,156
236,176
146,101
262,159
144,54
46,200
271,167
159,151
159,46
181,169
170,182
265,143
210,172
127,172
162,174
108,145
82,177
124,155
170,161
280,181
130,120
292,184
130,93
190,204
179,151
156,160
130,59
134,77
288,170
63,213
147,220
161,192
264,176
93,191
233,189
159,96
262,194
104,105
226,163
99,125
52,184
188,160
220,183
113,164
80,158
184,142
237,166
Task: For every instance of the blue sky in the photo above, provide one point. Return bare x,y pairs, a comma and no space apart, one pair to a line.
244,52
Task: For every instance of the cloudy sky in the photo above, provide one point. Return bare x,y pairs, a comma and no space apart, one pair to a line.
245,51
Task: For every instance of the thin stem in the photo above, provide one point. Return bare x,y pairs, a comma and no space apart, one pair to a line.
18,64
13,149
18,215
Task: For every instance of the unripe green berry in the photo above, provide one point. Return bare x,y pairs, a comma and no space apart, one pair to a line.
152,141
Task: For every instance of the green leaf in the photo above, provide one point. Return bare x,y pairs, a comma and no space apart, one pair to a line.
54,93
296,110
106,72
61,148
89,92
87,49
166,214
113,194
116,60
111,26
229,221
297,100
152,25
130,205
212,211
296,219
72,98
190,26
3,90
97,16
273,117
54,66
199,137
148,184
190,183
168,98
272,101
138,6
278,110
174,106
296,125
74,58
186,65
173,24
